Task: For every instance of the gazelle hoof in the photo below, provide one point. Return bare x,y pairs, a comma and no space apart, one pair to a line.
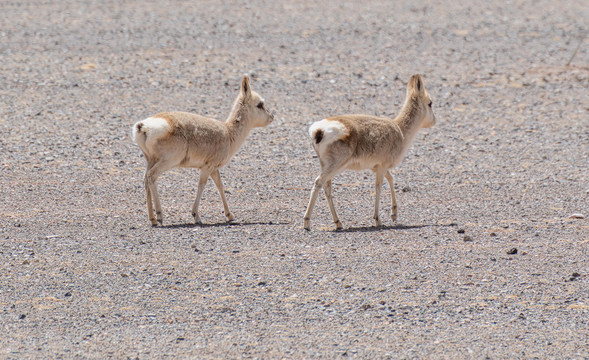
196,219
307,224
230,217
338,225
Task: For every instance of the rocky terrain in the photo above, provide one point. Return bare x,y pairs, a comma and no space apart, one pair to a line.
489,257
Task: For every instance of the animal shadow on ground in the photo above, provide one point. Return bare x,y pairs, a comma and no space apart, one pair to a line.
385,227
229,223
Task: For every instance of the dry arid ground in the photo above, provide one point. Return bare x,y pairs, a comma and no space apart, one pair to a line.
489,257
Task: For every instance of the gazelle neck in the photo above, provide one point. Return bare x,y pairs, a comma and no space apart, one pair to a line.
409,120
238,124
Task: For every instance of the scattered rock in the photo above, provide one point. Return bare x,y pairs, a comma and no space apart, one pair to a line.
492,234
577,216
467,238
512,251
22,316
461,231
574,276
88,66
366,307
67,294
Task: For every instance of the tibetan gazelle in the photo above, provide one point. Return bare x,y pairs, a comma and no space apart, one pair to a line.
179,139
360,142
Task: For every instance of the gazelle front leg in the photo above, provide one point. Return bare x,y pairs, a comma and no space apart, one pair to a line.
327,189
217,179
379,178
389,178
202,181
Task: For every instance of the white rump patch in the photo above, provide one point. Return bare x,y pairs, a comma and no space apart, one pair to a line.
333,130
154,129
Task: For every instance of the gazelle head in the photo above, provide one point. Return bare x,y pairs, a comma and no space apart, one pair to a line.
418,94
259,114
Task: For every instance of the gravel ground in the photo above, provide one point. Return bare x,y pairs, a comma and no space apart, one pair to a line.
485,261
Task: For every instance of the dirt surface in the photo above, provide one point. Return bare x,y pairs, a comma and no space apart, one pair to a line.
487,258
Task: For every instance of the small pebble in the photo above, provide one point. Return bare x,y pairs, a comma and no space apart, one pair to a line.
467,238
577,216
512,251
461,231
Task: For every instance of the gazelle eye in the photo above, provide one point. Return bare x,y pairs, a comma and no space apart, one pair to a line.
261,105
430,104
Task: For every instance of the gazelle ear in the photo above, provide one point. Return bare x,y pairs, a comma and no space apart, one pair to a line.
415,84
245,86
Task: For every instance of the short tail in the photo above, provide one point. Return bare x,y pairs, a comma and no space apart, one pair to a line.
140,135
318,136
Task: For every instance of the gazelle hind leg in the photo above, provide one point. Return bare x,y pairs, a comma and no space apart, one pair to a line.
219,184
327,189
316,186
150,213
152,174
327,173
389,178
